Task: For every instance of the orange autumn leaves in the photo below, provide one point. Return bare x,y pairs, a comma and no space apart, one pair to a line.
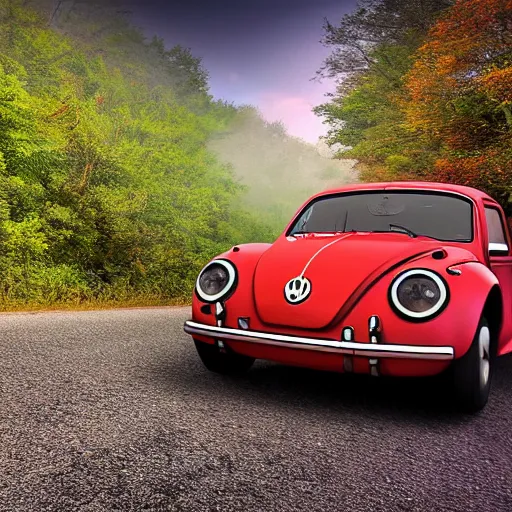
459,94
469,51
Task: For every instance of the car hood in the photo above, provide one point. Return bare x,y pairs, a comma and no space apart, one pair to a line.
335,267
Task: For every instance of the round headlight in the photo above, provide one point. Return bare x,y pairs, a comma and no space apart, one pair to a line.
419,294
216,280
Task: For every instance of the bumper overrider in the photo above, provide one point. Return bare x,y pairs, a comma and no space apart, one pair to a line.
346,346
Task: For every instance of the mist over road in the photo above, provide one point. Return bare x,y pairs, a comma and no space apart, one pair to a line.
112,410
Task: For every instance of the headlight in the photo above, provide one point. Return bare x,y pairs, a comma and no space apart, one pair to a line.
216,280
418,294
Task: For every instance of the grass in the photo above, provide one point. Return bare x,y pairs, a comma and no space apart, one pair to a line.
90,305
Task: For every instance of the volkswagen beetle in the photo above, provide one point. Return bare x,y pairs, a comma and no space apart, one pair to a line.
393,279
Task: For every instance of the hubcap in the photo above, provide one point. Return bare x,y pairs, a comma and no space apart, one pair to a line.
484,342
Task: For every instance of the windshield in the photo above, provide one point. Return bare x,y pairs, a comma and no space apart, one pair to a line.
441,216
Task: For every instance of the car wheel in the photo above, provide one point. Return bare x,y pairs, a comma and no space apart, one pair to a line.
226,363
472,373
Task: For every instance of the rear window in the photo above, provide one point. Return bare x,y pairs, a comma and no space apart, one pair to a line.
442,216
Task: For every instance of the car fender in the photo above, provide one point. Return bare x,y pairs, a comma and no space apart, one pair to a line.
245,258
478,284
469,282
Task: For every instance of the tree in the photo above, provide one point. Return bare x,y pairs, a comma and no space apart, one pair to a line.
439,110
107,188
375,23
460,95
373,48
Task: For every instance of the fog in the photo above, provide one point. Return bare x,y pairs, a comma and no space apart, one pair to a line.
279,171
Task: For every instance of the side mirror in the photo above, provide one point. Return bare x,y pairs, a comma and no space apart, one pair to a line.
496,249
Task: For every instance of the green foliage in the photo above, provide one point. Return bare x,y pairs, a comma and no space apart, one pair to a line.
108,190
432,100
373,49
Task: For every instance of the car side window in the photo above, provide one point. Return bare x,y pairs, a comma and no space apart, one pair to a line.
495,226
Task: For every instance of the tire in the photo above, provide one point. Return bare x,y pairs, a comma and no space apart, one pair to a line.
472,373
225,363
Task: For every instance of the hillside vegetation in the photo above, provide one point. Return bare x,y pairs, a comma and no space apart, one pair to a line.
117,176
425,91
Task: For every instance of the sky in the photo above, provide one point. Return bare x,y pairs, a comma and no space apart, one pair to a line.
258,52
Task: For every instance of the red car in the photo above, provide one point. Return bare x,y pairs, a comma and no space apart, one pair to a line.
399,279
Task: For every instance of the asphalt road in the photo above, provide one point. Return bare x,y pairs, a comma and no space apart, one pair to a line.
113,410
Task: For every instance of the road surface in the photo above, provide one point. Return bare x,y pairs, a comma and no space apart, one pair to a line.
112,410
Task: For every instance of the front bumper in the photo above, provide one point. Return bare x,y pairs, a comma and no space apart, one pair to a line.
351,348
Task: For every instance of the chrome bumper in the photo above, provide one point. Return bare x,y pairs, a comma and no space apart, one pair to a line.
323,345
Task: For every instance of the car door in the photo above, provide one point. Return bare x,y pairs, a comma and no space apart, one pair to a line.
500,253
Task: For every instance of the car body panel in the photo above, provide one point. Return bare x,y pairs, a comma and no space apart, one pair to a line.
502,268
335,266
350,275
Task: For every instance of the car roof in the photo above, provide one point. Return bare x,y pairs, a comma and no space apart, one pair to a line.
470,192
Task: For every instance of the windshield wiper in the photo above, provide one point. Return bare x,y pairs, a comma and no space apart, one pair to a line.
398,228
412,234
402,229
